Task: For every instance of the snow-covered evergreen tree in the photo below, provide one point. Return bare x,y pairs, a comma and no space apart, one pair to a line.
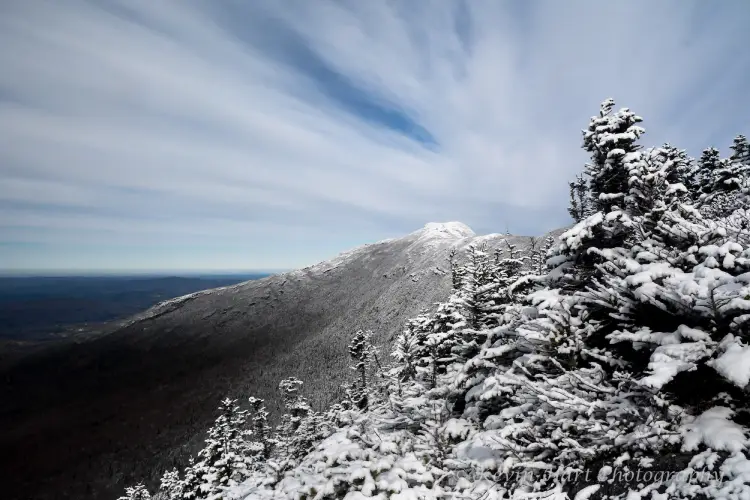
456,276
261,429
611,140
538,258
193,478
406,351
740,150
705,172
579,199
725,183
729,176
171,486
137,492
225,459
361,352
477,299
476,275
299,429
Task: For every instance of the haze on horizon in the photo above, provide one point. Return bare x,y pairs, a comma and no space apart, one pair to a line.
158,136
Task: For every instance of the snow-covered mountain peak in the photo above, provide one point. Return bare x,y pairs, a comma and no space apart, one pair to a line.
454,229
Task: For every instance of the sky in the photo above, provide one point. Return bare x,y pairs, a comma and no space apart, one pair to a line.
268,134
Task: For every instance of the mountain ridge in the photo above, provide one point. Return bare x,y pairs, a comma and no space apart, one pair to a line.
138,397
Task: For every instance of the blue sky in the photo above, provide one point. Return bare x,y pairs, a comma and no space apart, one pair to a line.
174,135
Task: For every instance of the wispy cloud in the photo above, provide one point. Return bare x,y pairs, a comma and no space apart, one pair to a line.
140,134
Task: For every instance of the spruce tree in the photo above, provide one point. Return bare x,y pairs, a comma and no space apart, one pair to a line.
443,336
261,428
476,276
455,268
538,258
579,207
191,484
707,166
729,176
225,460
300,426
611,141
172,486
361,351
137,492
406,352
740,150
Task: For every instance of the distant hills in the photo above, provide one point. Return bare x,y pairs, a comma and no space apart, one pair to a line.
43,308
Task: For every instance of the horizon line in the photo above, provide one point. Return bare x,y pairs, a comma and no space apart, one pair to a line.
75,273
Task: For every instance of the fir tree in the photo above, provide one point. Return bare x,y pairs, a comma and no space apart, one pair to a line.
361,351
538,258
579,207
406,352
611,140
707,166
261,428
729,176
443,335
191,484
225,460
456,276
740,150
476,275
171,486
137,492
300,426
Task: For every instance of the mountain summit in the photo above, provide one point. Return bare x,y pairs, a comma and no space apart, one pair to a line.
455,229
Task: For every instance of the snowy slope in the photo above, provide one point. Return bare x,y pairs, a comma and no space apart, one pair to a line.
170,364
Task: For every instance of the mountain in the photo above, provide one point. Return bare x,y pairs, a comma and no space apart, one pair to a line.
91,416
612,364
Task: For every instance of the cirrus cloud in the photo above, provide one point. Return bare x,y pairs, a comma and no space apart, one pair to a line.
272,134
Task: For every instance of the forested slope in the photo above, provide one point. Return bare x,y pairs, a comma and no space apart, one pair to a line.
92,416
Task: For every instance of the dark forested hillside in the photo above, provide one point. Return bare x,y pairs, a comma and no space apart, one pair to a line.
42,308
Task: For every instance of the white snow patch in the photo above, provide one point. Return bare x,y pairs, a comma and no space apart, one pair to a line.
452,229
734,363
585,493
714,428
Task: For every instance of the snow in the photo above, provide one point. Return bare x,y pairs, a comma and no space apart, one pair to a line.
714,428
457,428
667,361
693,333
448,229
604,473
734,362
586,492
